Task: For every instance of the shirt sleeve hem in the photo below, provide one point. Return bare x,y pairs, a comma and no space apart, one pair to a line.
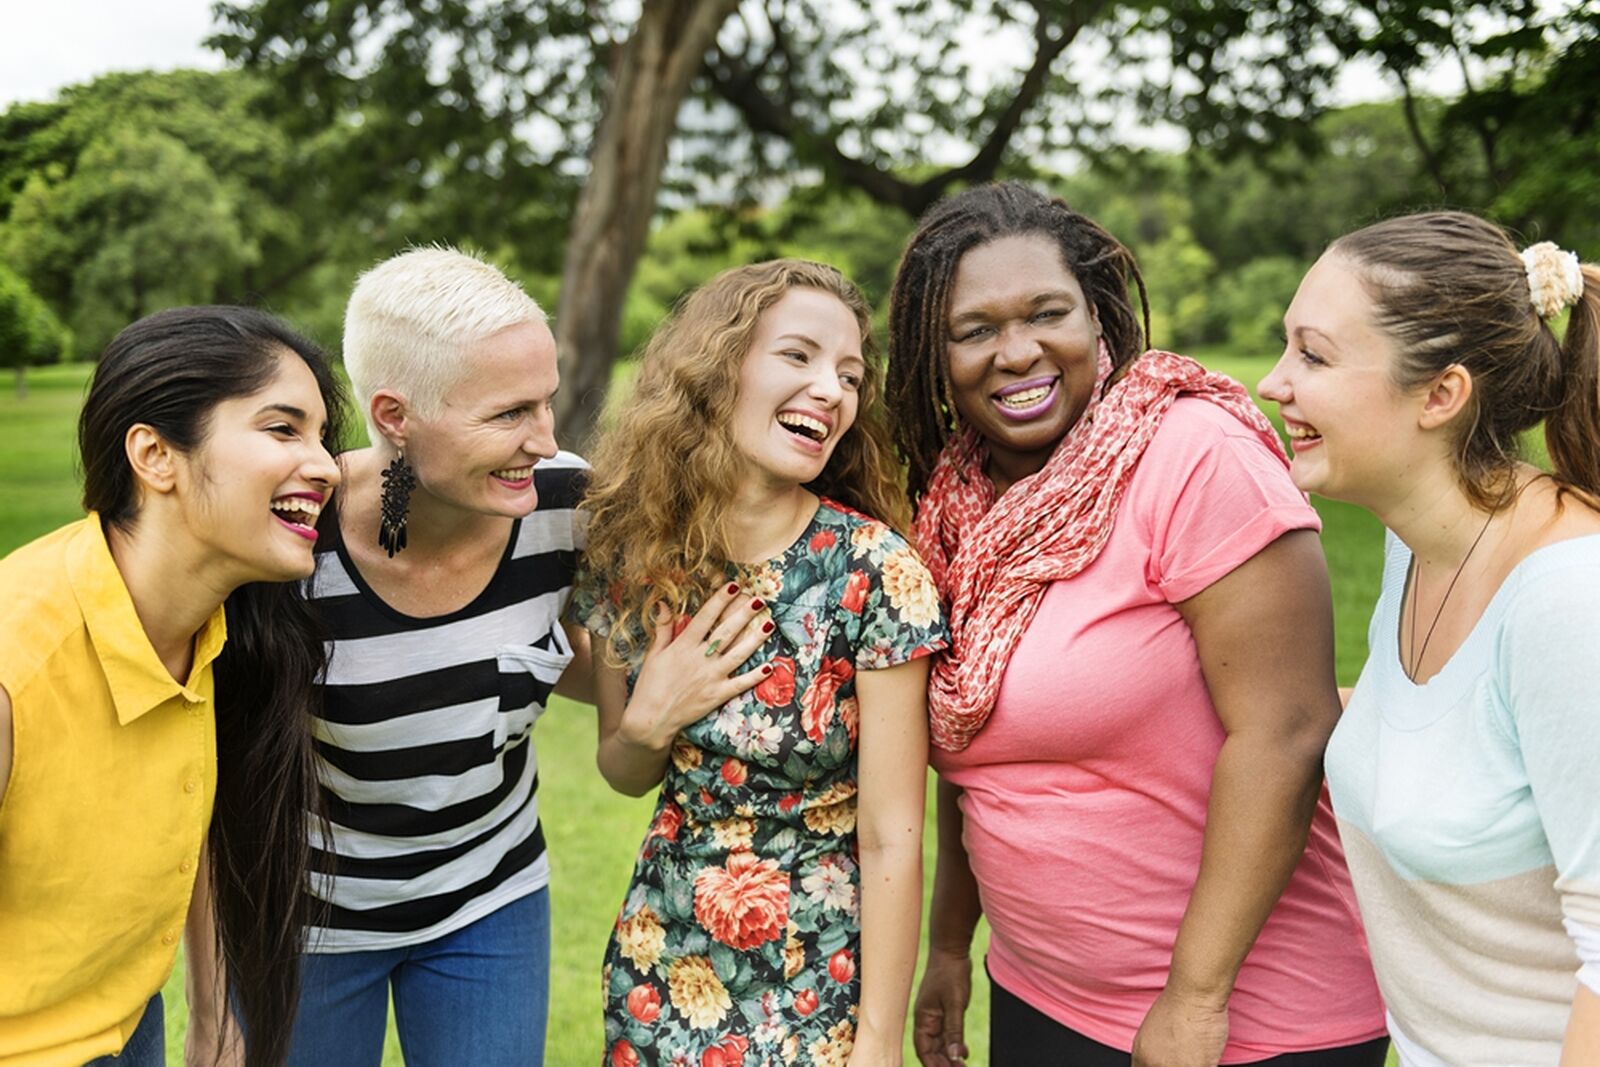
1265,527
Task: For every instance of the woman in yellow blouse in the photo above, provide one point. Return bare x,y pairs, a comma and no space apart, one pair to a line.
204,447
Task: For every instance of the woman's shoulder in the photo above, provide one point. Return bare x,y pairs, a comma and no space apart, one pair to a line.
1195,421
1566,570
40,607
870,538
1202,447
561,480
48,551
1562,546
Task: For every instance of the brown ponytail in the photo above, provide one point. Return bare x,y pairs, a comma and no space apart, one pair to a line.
1572,431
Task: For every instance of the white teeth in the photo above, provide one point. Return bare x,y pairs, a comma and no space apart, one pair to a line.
814,428
292,507
514,474
1026,398
1300,433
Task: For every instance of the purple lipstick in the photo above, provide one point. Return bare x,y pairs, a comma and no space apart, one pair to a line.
1027,400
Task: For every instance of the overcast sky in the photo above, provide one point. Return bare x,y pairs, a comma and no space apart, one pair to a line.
48,44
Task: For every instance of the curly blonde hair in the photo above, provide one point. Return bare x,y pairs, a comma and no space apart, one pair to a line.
666,475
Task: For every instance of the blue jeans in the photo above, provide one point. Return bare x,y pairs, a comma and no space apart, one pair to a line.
479,995
148,1045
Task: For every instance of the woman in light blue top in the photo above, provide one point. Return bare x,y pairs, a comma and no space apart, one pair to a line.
1466,771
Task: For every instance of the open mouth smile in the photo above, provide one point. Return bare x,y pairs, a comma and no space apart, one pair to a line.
514,477
298,513
1026,400
810,429
1301,435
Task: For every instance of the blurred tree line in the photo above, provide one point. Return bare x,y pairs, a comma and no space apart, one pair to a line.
614,155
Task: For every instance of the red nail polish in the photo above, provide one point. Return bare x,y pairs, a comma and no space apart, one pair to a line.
766,628
766,668
733,587
756,604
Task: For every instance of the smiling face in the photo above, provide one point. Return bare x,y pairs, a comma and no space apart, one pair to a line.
493,425
1023,342
1354,434
798,387
253,488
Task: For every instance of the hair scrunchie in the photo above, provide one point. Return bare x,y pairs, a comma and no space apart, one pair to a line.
1555,278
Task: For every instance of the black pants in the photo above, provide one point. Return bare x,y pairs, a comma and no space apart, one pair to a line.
1022,1036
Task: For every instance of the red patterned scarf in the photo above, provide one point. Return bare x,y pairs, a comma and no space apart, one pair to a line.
992,560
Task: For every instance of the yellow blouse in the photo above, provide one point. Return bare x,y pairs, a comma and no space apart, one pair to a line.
113,772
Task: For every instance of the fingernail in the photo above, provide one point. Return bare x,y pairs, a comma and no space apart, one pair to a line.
766,627
756,604
733,587
766,668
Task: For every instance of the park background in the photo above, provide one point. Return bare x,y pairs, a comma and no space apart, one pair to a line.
613,155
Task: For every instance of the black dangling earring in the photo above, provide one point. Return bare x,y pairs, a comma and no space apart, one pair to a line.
398,481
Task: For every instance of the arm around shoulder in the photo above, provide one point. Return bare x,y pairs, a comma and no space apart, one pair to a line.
578,680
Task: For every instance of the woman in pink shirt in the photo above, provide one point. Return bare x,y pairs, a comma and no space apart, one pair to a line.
1129,724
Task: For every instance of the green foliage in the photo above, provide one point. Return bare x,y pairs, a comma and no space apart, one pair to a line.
1178,272
30,333
1246,306
138,191
143,223
846,229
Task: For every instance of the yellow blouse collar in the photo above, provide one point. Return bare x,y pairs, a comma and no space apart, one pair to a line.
138,680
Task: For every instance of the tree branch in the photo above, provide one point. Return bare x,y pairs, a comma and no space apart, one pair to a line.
736,82
1430,155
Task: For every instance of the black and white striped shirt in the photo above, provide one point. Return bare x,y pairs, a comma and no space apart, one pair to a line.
425,748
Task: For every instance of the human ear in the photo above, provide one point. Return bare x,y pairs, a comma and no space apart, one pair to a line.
388,413
153,459
1446,397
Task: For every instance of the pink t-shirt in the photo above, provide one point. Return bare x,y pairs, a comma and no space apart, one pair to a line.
1085,793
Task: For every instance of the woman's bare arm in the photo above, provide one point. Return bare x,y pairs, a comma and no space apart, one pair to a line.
893,775
1264,635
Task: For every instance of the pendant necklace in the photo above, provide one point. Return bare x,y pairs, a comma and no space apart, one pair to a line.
1416,660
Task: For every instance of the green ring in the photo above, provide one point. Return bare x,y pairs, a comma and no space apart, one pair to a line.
711,649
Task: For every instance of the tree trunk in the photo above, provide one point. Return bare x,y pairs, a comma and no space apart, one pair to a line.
612,218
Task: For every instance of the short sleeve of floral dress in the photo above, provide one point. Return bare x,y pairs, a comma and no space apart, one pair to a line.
739,939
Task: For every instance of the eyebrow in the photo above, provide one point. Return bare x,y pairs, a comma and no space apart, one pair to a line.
1035,301
527,401
802,338
1302,331
294,413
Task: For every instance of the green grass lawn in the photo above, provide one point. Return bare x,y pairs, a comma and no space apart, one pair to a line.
592,832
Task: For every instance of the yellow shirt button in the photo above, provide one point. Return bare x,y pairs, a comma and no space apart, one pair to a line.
169,939
190,786
185,867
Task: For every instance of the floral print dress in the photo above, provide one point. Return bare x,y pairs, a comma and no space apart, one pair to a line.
739,940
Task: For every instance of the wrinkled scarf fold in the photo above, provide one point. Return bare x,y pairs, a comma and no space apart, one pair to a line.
992,560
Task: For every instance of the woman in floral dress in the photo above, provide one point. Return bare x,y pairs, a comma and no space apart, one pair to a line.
763,662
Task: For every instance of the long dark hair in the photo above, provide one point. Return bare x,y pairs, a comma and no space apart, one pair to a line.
1449,287
169,371
918,391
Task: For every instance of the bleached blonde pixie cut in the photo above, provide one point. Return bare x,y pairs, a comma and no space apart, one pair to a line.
412,318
